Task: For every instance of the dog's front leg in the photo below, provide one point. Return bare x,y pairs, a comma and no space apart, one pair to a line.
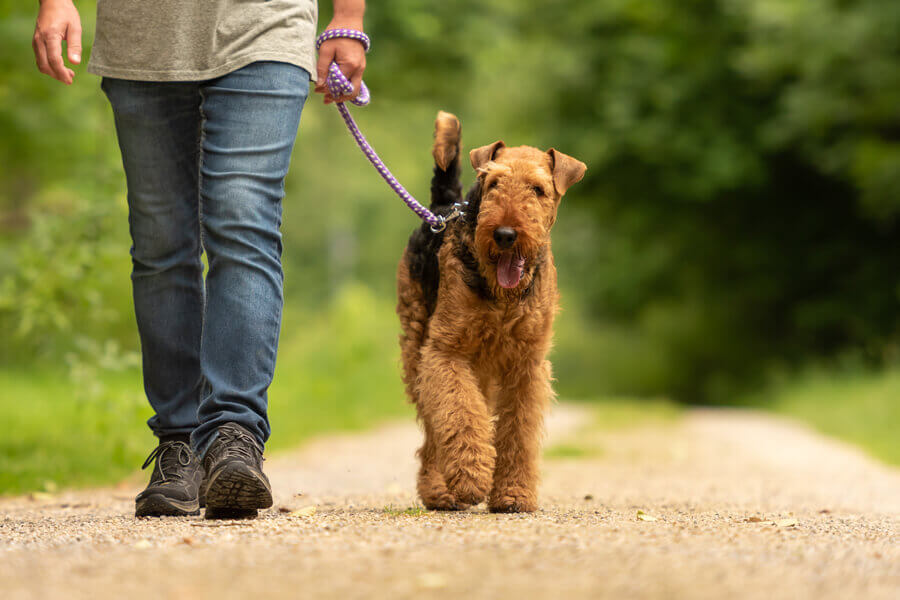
458,418
520,420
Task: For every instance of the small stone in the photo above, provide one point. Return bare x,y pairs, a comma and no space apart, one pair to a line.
432,581
786,522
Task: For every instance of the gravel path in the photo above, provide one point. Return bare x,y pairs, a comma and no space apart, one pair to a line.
734,505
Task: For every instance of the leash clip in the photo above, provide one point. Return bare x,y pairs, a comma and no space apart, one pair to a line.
455,213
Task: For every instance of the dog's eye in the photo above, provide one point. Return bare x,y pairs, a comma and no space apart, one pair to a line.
538,191
492,184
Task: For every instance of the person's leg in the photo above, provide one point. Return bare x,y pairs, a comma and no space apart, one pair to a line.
250,121
158,127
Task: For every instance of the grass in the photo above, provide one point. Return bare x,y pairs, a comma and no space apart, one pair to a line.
624,413
337,371
860,407
573,449
61,436
410,511
614,414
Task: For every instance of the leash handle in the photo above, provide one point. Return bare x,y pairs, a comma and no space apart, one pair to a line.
337,82
339,85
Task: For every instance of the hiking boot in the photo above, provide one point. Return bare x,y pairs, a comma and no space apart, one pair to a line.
174,488
236,486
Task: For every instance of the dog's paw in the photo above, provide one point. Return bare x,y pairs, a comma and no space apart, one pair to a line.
468,490
469,476
446,502
512,502
436,497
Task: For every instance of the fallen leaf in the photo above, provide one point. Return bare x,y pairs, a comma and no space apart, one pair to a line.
641,515
759,521
284,509
786,522
187,540
588,496
306,511
40,496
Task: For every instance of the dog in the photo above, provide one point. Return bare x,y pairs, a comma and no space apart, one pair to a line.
476,304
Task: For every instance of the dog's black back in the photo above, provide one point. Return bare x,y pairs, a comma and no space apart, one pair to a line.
424,244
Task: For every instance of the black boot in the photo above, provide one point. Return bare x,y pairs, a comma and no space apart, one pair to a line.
174,488
236,486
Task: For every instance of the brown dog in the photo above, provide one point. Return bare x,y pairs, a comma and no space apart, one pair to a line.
476,303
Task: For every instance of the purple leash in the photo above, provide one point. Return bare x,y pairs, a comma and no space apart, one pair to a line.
339,86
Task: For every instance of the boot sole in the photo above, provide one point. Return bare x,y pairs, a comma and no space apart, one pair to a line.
236,491
157,505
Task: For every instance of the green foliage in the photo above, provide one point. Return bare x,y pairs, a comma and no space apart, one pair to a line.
61,294
853,404
84,432
740,212
337,371
50,136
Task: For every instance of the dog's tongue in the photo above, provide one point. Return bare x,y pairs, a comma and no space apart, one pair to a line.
509,270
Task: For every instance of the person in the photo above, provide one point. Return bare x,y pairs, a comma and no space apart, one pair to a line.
206,96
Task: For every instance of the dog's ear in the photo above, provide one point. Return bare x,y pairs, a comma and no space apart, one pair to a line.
485,154
567,171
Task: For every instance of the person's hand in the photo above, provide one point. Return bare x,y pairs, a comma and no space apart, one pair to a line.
350,56
57,20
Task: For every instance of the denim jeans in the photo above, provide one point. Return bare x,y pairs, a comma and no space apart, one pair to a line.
205,163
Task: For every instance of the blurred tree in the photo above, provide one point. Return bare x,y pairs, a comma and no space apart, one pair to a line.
741,210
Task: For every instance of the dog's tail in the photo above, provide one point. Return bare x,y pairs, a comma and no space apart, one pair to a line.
446,187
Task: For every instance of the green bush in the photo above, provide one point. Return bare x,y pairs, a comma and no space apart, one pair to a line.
739,215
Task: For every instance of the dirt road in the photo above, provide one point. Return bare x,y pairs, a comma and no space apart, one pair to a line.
734,505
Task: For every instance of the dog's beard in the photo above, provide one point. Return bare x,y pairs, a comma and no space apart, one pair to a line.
510,267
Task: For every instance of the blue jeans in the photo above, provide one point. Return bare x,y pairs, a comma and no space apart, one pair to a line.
205,163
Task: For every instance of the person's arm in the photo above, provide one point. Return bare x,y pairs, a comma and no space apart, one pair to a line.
57,20
348,54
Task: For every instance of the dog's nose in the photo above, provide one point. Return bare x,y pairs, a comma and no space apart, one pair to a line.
505,237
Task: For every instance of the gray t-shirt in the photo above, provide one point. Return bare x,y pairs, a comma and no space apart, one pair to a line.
192,40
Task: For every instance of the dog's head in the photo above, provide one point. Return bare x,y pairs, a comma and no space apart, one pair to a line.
520,189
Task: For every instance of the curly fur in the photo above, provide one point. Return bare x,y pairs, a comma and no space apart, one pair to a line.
474,352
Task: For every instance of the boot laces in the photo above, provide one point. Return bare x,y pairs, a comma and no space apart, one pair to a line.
245,446
170,457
